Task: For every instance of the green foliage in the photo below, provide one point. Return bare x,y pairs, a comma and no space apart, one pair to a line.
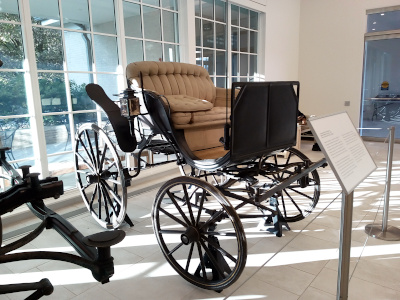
12,94
49,56
11,50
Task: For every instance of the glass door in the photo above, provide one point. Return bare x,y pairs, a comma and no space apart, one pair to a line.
381,88
380,105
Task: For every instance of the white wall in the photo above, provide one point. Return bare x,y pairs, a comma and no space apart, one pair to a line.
331,54
282,21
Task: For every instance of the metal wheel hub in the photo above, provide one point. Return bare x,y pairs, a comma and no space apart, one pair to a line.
191,235
93,178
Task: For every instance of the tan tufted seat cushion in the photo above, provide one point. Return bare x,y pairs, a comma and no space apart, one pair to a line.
173,78
196,106
184,103
214,114
181,118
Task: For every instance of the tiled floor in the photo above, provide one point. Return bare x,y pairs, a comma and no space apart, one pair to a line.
302,264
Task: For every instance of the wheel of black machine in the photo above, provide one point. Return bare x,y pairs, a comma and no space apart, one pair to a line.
100,176
199,233
300,198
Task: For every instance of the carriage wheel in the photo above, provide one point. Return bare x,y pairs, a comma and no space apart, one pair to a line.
199,233
299,199
100,176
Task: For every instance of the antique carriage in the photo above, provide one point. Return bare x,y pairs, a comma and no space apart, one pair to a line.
197,217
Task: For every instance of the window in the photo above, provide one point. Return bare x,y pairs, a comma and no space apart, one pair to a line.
380,105
75,42
15,119
214,41
151,30
71,51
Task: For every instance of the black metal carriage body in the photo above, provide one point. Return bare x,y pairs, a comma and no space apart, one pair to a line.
263,123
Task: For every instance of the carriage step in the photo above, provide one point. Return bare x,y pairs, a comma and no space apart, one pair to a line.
104,239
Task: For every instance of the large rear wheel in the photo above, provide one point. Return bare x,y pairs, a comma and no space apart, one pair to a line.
100,176
199,233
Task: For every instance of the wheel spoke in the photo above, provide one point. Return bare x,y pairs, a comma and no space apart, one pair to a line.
93,197
103,157
212,219
189,205
176,248
115,196
114,181
108,200
99,199
95,163
217,247
203,195
300,193
294,203
221,233
172,217
203,267
90,166
189,257
169,231
172,197
85,149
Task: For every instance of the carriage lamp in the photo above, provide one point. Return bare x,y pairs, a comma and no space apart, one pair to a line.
130,106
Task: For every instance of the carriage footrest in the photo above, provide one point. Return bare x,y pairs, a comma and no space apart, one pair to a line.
104,239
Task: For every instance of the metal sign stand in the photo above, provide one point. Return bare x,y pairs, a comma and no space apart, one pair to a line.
345,245
385,232
351,163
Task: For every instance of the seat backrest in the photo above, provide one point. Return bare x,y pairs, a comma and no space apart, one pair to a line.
172,78
264,118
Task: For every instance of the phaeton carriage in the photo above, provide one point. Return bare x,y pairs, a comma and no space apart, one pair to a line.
197,220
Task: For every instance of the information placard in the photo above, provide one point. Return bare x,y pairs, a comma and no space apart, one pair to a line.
343,149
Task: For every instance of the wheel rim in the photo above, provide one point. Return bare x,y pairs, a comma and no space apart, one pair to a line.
295,202
100,176
199,233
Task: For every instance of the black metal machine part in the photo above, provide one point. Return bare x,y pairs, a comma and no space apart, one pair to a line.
94,250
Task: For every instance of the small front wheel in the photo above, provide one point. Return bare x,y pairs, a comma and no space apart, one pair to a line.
199,232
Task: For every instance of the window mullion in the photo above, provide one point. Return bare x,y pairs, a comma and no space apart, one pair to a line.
143,37
228,46
32,90
121,44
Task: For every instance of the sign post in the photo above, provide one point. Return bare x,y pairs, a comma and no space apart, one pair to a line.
351,163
